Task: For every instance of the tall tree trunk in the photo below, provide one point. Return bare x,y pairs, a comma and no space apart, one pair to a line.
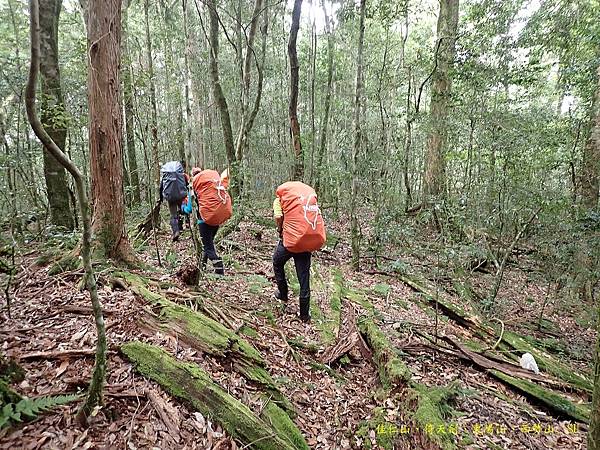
327,101
94,397
293,106
245,124
105,129
591,155
434,176
590,200
154,116
213,41
53,114
128,107
358,100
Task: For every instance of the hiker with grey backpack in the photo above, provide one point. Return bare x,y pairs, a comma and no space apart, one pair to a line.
174,189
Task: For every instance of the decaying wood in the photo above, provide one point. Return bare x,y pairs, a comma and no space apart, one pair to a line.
348,338
510,342
59,354
192,384
206,335
167,413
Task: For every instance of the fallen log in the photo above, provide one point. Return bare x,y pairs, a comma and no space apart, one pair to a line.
557,403
392,370
510,342
59,354
206,335
425,405
193,385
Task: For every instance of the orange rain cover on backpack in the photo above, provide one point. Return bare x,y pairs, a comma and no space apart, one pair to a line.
303,226
213,199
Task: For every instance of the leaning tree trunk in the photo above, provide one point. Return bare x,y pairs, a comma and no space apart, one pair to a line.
53,114
434,177
94,397
294,78
105,129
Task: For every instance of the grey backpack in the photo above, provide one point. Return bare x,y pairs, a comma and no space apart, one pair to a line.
174,187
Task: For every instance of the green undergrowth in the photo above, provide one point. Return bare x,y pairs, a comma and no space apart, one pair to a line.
67,263
26,409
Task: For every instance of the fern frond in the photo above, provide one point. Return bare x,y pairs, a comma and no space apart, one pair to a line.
32,407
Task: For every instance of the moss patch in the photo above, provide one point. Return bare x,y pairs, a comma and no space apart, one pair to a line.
193,385
281,422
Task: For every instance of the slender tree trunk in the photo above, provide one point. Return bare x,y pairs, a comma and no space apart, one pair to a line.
213,41
358,99
128,106
154,116
434,176
327,102
105,129
94,397
246,122
313,69
591,155
293,105
589,188
53,114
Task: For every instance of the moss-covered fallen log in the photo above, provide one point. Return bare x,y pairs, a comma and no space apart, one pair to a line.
392,370
510,342
207,335
193,385
281,422
553,401
429,405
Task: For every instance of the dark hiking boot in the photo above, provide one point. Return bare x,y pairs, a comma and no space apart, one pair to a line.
218,266
175,229
279,296
305,310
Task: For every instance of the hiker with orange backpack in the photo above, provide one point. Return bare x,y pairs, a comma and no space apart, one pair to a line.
301,231
214,209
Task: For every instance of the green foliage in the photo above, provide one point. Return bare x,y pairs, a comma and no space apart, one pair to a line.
27,409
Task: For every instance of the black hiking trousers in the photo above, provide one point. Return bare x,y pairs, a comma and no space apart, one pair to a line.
302,262
175,210
207,235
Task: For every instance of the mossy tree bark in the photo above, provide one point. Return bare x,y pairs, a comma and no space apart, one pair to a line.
53,115
94,397
105,130
190,383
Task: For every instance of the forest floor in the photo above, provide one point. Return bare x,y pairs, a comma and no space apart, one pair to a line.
339,406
